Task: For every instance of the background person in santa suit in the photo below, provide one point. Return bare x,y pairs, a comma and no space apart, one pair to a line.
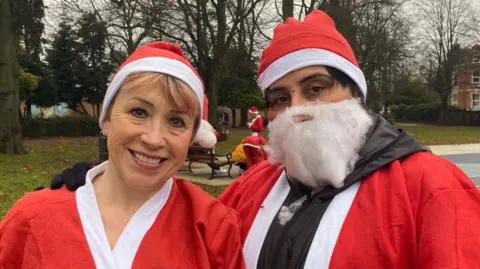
131,213
256,125
343,188
253,145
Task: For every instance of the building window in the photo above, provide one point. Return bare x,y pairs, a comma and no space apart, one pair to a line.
454,100
455,80
476,59
475,100
476,79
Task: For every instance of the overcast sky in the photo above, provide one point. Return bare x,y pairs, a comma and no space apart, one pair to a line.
52,15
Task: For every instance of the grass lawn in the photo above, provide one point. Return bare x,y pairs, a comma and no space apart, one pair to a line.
23,173
20,174
443,135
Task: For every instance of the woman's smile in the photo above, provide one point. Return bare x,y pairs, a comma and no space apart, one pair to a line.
147,161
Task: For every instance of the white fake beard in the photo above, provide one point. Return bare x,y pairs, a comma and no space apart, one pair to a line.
324,149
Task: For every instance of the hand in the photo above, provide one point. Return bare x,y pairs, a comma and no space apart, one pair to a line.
73,177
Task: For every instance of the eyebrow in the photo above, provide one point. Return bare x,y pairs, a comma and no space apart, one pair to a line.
178,111
146,102
275,89
303,80
312,76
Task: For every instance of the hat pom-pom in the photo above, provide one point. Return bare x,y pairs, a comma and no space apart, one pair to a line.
206,135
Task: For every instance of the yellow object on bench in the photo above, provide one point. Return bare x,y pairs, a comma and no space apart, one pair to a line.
238,154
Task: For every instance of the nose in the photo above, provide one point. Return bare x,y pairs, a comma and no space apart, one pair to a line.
301,118
298,99
154,136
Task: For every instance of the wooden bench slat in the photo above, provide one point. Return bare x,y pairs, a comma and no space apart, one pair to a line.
198,154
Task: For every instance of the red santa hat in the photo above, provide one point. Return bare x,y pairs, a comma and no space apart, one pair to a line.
315,41
159,57
253,110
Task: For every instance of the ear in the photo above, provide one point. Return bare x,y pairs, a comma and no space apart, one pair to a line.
106,127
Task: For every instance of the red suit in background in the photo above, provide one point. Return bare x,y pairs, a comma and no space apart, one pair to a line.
257,124
254,144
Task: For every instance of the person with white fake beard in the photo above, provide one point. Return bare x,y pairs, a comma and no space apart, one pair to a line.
343,188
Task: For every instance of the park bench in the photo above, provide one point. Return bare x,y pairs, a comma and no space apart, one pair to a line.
198,154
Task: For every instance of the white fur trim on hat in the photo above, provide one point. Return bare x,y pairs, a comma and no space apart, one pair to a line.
163,65
205,135
309,57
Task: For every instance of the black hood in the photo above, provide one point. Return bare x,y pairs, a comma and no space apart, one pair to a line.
383,145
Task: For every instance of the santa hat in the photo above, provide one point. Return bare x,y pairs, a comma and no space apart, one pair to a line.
159,57
253,110
315,41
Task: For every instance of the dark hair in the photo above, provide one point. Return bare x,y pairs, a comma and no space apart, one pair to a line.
346,81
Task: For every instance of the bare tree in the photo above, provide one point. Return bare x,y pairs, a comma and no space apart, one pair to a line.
474,25
381,45
379,36
128,26
445,25
206,30
247,44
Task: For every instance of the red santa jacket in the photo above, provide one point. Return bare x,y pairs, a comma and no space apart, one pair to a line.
193,230
253,146
257,124
420,212
417,211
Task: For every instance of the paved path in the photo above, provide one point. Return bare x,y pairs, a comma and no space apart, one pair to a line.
201,173
466,156
456,149
469,163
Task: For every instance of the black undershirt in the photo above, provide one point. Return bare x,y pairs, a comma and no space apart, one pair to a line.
286,246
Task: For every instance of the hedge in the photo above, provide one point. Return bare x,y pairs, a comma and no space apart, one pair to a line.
432,113
64,126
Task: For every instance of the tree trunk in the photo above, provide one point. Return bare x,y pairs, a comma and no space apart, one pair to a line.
213,82
98,111
243,117
216,64
234,117
20,116
28,108
444,109
10,128
287,9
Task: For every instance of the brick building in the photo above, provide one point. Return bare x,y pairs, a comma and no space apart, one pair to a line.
466,91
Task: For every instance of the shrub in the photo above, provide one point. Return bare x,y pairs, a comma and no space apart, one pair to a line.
432,113
388,117
64,126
